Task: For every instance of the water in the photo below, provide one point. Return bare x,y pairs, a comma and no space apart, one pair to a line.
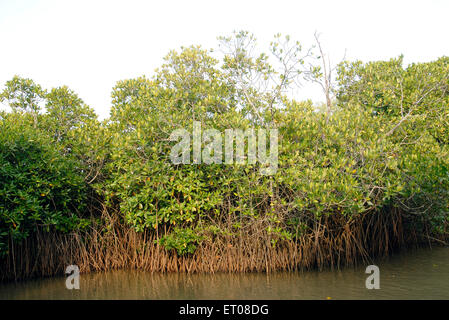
421,274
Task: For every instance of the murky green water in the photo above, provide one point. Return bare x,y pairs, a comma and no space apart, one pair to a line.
421,274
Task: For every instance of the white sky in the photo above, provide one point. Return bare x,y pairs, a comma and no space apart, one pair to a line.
89,45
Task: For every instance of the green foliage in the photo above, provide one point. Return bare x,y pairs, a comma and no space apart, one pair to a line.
23,95
39,188
348,166
418,93
66,112
151,191
183,240
74,126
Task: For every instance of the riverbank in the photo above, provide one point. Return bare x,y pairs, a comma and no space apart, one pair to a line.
412,274
329,243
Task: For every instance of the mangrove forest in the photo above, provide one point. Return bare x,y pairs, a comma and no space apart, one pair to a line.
359,176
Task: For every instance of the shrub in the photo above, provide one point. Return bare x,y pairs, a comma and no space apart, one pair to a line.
39,187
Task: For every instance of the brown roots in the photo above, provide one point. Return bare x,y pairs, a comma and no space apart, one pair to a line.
330,241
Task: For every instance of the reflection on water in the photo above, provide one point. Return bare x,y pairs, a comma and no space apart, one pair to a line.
422,274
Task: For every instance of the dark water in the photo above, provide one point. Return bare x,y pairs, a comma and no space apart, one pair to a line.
421,274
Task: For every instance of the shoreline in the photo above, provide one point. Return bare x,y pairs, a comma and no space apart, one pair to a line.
48,254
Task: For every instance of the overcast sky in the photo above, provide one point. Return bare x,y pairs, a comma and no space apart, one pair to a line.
89,45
